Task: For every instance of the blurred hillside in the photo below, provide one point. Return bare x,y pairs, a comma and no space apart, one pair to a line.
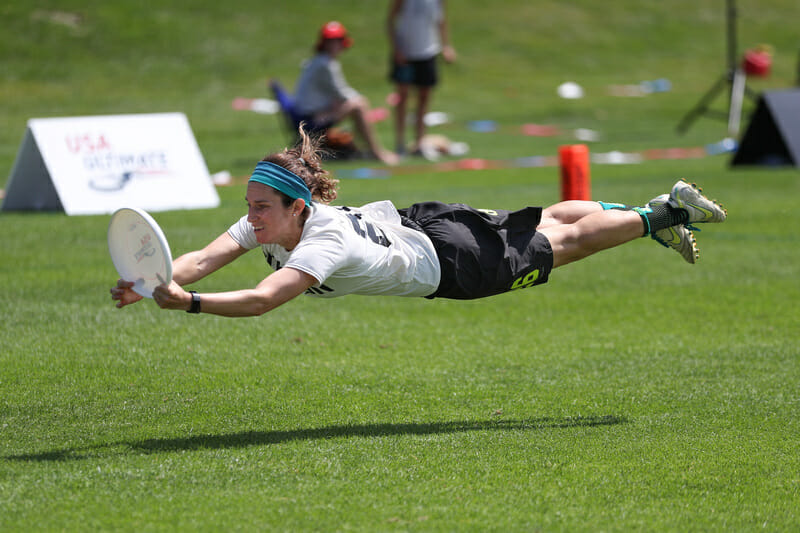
67,58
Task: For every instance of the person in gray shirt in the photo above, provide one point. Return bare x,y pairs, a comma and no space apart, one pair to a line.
323,95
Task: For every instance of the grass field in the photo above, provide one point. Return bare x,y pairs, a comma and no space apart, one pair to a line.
631,392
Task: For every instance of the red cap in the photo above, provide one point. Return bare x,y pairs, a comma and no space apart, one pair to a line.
335,30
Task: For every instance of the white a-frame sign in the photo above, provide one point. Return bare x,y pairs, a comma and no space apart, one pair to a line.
95,165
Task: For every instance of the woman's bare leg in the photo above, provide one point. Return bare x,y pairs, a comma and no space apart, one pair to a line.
357,108
423,102
568,212
599,230
400,118
577,229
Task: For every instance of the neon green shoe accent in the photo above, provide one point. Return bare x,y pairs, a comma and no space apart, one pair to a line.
690,197
680,238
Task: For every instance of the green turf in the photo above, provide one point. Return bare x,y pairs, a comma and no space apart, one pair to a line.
632,392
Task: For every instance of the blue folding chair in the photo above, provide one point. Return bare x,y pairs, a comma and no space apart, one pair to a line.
292,118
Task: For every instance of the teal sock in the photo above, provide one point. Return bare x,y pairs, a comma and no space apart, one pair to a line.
654,218
609,205
661,217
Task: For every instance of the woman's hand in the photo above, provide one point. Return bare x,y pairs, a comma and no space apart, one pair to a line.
124,294
172,296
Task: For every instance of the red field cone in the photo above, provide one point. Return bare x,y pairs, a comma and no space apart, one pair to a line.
575,181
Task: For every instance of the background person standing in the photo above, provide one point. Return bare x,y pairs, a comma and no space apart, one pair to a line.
417,34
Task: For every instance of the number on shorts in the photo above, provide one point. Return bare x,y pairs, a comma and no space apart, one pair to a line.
525,281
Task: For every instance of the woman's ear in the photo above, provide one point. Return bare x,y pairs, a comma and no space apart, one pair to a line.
298,206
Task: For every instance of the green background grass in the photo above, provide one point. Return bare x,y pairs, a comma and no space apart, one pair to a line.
633,391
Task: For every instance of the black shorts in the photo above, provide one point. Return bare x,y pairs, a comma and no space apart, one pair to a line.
483,252
423,73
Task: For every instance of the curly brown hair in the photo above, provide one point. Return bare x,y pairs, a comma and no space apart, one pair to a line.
305,160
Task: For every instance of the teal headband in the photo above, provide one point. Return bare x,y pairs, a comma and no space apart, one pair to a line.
279,178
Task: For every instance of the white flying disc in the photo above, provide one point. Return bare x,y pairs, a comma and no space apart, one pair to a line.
139,250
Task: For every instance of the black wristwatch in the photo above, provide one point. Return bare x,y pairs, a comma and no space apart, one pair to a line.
195,308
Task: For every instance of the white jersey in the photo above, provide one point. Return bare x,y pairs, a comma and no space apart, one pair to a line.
417,29
355,250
